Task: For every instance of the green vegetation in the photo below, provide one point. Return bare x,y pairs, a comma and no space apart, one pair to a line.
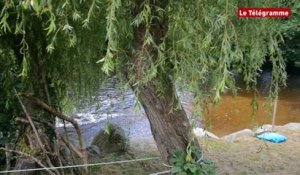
195,165
141,168
56,50
291,33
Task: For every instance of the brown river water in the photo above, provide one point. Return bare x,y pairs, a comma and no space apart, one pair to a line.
235,113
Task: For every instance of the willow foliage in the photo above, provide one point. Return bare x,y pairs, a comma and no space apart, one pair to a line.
55,43
205,43
291,33
64,36
7,71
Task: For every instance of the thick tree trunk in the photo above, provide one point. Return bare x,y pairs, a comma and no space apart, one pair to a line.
170,127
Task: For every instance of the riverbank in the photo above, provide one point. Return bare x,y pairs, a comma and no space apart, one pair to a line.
240,154
244,155
247,155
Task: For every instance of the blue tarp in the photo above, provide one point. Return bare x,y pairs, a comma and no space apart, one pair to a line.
272,137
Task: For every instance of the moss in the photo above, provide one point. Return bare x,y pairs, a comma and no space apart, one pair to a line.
23,147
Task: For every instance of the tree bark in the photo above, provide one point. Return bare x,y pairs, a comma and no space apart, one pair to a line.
170,127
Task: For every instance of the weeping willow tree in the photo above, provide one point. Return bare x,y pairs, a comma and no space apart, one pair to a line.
184,44
46,55
153,46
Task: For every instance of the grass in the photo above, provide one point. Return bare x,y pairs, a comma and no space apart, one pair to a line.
131,168
250,156
245,156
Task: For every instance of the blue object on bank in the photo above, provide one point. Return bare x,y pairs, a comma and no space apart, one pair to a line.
272,137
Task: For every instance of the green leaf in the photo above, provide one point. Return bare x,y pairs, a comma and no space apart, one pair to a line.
107,128
76,16
52,26
176,170
36,6
4,24
50,48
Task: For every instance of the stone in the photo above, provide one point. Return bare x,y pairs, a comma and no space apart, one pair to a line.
94,150
114,142
292,126
263,128
232,137
200,132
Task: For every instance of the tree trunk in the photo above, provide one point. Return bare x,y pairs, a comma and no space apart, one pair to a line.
170,127
38,138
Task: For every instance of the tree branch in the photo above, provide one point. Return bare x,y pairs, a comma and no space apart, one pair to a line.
69,144
27,155
49,109
35,131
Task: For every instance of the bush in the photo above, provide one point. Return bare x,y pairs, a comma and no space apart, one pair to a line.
192,163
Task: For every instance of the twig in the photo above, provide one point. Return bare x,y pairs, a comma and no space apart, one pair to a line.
7,155
34,130
200,159
274,112
63,117
69,144
166,165
57,152
59,115
29,156
159,173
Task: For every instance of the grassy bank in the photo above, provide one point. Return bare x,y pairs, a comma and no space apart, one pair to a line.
245,156
129,168
248,155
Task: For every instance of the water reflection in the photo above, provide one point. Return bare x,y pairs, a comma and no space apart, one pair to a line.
235,113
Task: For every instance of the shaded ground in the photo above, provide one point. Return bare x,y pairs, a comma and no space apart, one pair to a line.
131,168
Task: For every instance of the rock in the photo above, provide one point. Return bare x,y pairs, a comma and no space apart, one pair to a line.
232,137
94,150
292,126
24,163
114,142
199,132
264,128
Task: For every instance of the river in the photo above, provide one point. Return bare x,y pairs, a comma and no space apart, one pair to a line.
235,113
230,115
